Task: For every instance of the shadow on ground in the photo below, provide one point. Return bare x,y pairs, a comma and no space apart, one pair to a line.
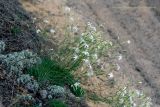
19,33
16,27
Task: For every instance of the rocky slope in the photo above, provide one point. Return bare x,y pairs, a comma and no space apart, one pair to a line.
134,21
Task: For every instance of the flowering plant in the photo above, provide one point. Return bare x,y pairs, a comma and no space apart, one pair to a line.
128,98
84,50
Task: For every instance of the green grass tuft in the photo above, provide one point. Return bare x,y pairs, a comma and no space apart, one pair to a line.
51,72
56,103
77,91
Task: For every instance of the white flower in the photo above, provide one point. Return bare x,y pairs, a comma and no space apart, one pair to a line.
51,49
120,57
125,88
89,23
111,43
85,53
75,29
46,21
34,18
93,28
128,41
140,82
90,67
38,31
75,57
76,84
91,37
124,93
71,19
82,40
67,9
85,45
52,31
138,92
86,62
83,34
118,67
101,25
102,66
95,56
134,105
98,47
110,75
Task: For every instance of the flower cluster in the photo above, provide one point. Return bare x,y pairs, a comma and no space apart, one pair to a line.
128,98
89,47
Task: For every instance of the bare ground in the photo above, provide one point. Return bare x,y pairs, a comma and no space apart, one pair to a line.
138,22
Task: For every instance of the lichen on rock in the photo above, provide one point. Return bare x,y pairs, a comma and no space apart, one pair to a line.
28,82
17,61
55,91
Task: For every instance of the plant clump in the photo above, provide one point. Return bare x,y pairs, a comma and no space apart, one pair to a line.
77,90
55,91
50,72
128,98
84,50
28,82
17,61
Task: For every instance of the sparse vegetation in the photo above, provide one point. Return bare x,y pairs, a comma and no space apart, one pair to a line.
51,79
77,90
84,50
129,98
